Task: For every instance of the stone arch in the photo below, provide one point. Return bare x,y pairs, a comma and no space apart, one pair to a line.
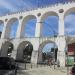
47,23
25,20
6,49
1,27
41,47
23,48
68,11
50,13
69,18
9,27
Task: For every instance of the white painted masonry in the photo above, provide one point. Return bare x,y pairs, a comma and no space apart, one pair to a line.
60,10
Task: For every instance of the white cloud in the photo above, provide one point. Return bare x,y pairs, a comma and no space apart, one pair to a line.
69,30
70,19
15,5
7,5
26,4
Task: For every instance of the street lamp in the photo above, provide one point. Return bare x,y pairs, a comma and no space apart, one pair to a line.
55,35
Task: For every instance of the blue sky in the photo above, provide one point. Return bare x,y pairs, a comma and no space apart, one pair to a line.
9,6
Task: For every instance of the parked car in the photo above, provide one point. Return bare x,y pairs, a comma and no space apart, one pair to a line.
7,66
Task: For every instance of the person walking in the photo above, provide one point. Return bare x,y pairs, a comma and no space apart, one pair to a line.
49,62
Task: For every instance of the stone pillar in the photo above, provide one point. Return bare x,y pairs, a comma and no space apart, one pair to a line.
18,34
61,25
34,57
61,50
61,41
38,28
37,34
39,56
61,58
16,44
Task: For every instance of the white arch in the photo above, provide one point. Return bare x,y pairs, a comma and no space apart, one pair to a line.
8,27
49,13
5,47
68,11
20,50
45,15
46,42
23,43
25,20
41,47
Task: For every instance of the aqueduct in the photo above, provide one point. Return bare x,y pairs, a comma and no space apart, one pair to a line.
20,41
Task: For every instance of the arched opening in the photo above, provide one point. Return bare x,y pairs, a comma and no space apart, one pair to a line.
49,23
69,20
11,28
6,49
24,51
47,51
1,27
28,26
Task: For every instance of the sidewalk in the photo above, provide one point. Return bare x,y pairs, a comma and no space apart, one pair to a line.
44,71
